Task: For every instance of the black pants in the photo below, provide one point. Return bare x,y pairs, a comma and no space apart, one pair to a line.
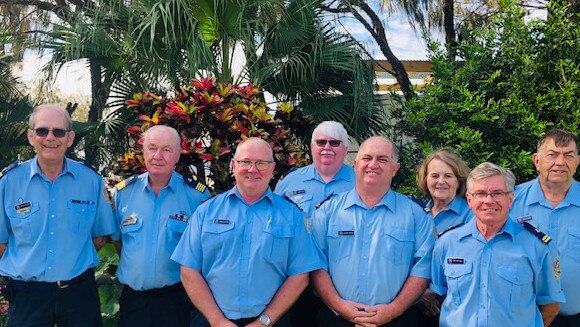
566,321
327,318
167,306
303,312
42,304
200,321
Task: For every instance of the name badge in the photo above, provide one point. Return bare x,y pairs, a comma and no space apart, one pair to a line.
83,202
23,208
131,220
523,219
455,261
345,232
222,221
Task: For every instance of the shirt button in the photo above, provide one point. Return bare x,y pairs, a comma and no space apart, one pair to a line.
51,233
49,268
51,216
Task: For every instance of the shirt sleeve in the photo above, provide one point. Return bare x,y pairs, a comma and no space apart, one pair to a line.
438,281
104,220
304,256
424,242
4,230
319,225
547,281
116,236
188,251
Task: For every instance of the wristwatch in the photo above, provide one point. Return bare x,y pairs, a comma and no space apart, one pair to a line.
265,320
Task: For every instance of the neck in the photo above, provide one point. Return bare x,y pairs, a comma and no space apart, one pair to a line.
51,169
371,196
555,193
489,230
326,172
157,182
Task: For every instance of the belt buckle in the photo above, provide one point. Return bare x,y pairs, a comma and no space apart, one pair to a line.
62,284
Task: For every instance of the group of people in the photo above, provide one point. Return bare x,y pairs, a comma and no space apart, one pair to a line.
332,245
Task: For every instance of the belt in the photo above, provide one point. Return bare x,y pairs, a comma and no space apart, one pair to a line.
157,291
60,283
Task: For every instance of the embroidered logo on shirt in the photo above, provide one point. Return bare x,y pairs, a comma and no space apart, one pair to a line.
455,261
222,221
345,232
23,208
131,220
556,267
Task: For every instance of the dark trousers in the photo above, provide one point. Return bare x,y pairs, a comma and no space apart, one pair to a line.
303,312
72,304
200,321
566,321
423,319
327,318
167,306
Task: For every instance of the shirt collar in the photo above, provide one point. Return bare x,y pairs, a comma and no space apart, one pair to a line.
67,168
537,195
235,192
343,173
171,185
471,229
388,200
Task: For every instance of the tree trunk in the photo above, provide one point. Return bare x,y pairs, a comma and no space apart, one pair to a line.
449,28
99,95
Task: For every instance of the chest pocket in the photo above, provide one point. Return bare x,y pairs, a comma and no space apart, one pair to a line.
573,249
303,201
459,278
340,241
80,217
516,285
176,226
216,236
398,246
276,244
21,223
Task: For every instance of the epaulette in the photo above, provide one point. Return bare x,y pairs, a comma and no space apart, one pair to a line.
448,229
124,183
294,203
9,168
201,187
288,172
93,168
417,200
327,198
538,233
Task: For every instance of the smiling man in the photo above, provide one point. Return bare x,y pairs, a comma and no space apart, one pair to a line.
551,203
246,253
152,211
53,213
493,271
377,244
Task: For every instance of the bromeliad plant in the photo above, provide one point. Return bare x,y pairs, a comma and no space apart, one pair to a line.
212,118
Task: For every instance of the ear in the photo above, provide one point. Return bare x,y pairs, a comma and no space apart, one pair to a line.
30,136
536,160
70,138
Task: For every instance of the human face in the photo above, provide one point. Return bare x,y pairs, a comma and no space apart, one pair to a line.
374,166
49,149
490,210
251,182
556,165
161,152
326,158
441,181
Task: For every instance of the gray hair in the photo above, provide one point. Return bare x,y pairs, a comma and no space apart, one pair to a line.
255,140
487,170
333,129
170,129
394,156
52,106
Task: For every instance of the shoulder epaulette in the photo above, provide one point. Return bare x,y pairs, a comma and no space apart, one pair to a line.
201,187
124,183
294,203
327,198
93,168
538,233
448,229
9,168
288,172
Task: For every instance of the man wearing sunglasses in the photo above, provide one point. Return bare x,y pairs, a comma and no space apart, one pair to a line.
54,215
309,186
246,254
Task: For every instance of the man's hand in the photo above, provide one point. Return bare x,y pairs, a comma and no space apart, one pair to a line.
352,310
378,315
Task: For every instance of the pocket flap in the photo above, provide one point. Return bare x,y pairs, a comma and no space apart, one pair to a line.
218,225
335,231
516,275
402,235
457,270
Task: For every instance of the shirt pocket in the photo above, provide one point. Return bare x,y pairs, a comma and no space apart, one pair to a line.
516,286
81,216
340,242
459,278
276,244
398,245
573,249
130,233
217,236
21,223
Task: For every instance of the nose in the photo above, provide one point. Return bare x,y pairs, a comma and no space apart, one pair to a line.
560,159
157,154
253,167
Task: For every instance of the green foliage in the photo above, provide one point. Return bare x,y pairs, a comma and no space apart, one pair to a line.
514,82
109,289
212,118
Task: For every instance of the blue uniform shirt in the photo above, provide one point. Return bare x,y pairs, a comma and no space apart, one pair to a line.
499,282
246,252
562,224
372,251
457,213
49,226
150,228
306,188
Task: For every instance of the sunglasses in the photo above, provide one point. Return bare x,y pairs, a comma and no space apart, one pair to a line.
43,132
333,143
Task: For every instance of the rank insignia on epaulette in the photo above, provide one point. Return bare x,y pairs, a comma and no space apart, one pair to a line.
199,186
124,183
322,202
538,233
9,168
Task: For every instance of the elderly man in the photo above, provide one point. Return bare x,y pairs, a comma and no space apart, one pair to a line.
378,246
551,203
246,253
492,270
309,186
152,211
48,233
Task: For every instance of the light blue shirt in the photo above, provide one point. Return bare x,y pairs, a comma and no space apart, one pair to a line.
562,224
49,226
307,189
456,214
499,282
150,227
246,252
371,252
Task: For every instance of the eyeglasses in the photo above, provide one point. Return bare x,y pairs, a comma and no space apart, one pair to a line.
494,195
260,164
43,132
333,143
